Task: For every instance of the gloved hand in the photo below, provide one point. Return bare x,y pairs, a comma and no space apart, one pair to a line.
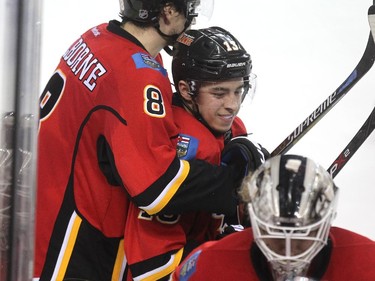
229,229
243,155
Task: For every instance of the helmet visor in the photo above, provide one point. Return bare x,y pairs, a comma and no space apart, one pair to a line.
241,88
199,11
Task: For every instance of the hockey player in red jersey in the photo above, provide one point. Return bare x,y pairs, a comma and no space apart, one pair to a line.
206,104
107,141
212,73
292,202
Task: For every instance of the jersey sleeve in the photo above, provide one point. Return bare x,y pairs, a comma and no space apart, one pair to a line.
238,128
144,152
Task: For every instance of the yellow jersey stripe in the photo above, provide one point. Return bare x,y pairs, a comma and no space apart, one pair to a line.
160,272
170,190
119,267
68,245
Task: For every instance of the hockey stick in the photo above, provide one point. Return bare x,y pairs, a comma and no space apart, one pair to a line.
371,19
359,71
353,145
366,128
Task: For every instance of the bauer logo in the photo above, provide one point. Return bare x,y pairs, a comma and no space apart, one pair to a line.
238,64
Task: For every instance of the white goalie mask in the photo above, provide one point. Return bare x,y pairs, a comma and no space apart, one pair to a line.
292,204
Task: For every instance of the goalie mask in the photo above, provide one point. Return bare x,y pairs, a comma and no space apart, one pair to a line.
292,205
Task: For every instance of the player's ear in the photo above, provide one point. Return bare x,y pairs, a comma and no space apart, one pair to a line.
184,90
169,11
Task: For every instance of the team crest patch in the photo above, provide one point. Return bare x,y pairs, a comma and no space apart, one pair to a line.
187,147
189,267
185,39
146,61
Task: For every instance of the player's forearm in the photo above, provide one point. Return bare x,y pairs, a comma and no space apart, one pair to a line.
206,188
191,186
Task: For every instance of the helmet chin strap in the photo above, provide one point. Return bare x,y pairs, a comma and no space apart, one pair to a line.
171,38
168,50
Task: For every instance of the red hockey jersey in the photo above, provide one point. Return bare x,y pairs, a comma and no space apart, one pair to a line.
151,239
106,141
352,257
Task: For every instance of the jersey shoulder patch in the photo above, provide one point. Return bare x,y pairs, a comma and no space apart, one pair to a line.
189,266
143,60
187,147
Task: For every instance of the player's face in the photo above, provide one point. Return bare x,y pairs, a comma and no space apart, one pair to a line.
290,245
296,247
173,22
178,25
219,103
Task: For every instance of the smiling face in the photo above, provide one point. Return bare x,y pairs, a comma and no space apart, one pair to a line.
219,103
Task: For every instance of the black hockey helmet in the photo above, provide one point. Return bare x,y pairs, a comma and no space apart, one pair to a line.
209,54
148,11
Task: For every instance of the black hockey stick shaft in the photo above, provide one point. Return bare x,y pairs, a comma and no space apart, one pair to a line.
371,19
353,145
359,71
367,127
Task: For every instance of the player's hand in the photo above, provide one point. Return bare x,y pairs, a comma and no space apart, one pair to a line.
243,156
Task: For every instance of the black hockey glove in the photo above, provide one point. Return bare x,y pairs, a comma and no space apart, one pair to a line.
243,155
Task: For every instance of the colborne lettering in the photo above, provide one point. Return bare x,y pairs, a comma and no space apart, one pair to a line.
83,64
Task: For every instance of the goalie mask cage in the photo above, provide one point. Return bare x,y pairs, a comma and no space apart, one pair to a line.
20,33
